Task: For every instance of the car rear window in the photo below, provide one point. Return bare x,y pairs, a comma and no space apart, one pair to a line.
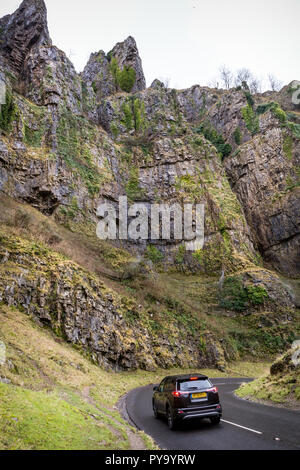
194,384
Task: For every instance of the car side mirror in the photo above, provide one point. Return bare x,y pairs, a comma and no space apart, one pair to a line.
155,389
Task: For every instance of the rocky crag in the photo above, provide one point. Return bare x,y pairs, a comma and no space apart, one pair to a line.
70,141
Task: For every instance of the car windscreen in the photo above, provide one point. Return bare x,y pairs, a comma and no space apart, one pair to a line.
189,385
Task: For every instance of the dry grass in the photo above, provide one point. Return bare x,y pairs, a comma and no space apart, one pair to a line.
80,244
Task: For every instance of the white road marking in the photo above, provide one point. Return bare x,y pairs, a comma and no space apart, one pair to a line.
239,426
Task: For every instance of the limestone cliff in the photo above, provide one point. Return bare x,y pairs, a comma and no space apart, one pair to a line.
69,141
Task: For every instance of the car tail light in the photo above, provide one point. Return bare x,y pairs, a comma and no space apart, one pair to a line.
176,393
193,378
214,390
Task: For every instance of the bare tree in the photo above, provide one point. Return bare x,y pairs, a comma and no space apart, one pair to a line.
275,84
226,76
247,81
255,86
243,76
214,83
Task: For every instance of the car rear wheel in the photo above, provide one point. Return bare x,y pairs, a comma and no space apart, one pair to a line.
170,419
155,412
215,420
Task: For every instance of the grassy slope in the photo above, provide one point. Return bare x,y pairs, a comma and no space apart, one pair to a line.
280,386
58,399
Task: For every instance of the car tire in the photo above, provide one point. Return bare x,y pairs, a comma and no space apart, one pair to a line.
155,412
170,419
215,420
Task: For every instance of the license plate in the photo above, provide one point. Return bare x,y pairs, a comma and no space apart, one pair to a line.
199,395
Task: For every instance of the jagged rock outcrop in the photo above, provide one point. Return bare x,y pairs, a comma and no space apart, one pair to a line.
98,72
97,75
23,30
126,54
49,78
33,67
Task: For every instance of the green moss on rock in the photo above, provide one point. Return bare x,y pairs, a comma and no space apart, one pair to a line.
8,112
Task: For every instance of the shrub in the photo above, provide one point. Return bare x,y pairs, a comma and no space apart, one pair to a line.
125,78
128,117
295,128
279,114
249,98
154,254
263,108
236,296
134,114
256,294
133,189
251,120
226,150
215,138
109,56
114,68
274,108
139,114
237,136
198,142
179,258
233,295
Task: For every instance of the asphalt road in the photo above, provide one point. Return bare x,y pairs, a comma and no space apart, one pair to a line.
244,425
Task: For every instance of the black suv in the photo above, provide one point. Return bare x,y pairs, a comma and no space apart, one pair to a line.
182,397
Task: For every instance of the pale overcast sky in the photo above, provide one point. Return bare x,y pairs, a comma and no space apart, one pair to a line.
183,40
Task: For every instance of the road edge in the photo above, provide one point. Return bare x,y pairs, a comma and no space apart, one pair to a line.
123,410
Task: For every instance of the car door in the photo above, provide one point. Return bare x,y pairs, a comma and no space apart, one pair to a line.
159,396
168,388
